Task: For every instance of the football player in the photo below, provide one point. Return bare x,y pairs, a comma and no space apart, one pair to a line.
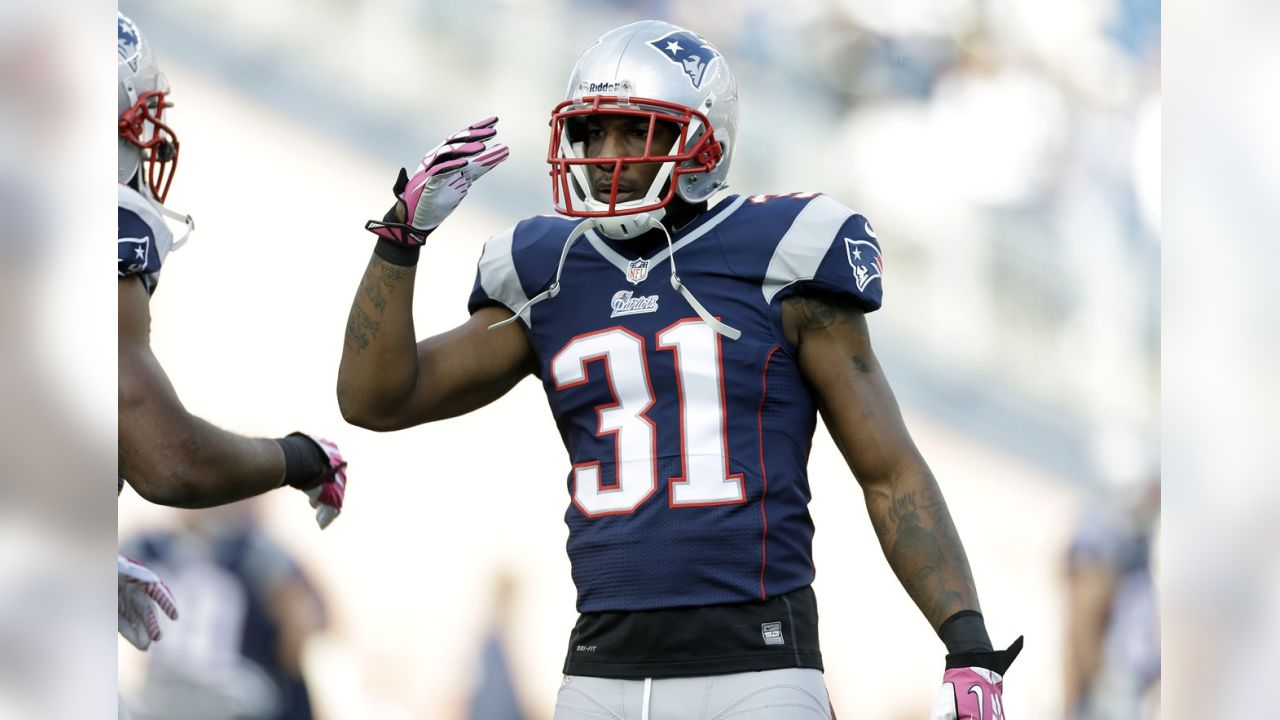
686,349
168,455
256,608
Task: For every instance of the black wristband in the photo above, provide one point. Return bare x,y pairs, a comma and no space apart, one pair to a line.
304,461
965,632
397,253
997,661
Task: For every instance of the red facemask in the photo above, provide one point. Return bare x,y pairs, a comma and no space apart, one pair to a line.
160,151
701,157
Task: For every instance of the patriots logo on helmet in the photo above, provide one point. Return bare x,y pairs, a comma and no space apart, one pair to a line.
687,50
127,41
864,258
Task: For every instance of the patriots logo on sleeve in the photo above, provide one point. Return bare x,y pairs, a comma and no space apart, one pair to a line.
687,50
134,255
864,258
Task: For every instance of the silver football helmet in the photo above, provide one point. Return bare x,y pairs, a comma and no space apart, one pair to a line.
663,73
146,143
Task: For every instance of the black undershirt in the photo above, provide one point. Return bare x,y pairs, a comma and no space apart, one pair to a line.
778,633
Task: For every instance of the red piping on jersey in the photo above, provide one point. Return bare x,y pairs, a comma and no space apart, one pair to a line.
764,476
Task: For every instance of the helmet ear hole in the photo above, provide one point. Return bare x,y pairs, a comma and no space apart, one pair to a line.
165,151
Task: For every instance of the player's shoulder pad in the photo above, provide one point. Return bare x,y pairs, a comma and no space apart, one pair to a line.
517,262
143,239
773,212
758,222
820,242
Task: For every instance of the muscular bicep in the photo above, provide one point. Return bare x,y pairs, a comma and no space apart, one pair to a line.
168,455
149,412
469,367
833,346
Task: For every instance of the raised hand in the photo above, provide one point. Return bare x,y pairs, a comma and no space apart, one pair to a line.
440,182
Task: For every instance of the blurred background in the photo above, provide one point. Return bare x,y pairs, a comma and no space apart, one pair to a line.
1008,153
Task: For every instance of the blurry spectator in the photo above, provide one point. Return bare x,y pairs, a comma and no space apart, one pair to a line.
1001,126
1113,633
495,696
248,609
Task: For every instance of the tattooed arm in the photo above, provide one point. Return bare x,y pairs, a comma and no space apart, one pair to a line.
168,455
387,382
903,499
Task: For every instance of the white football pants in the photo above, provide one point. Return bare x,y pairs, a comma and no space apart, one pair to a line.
790,694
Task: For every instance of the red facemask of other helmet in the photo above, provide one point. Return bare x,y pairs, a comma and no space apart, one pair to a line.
143,126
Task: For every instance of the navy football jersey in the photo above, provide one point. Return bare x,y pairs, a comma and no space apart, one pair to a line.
689,450
143,240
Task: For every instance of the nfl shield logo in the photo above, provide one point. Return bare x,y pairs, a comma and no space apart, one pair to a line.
637,271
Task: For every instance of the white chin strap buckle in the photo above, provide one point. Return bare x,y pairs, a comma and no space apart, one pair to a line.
625,227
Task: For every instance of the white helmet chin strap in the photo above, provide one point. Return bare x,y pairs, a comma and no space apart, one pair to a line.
644,222
184,219
554,288
686,293
187,220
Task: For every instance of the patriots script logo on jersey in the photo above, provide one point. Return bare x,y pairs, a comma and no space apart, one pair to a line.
864,258
625,302
687,50
127,42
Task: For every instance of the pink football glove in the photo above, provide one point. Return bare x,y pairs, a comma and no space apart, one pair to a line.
137,588
973,685
327,489
440,182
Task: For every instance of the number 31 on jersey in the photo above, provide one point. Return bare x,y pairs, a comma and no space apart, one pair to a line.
706,479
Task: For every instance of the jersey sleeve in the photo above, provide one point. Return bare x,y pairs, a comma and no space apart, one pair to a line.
143,240
831,248
497,282
136,250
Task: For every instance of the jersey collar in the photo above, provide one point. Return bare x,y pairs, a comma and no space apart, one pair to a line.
690,232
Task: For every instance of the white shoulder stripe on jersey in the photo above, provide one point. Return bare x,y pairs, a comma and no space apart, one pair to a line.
132,200
498,273
805,243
